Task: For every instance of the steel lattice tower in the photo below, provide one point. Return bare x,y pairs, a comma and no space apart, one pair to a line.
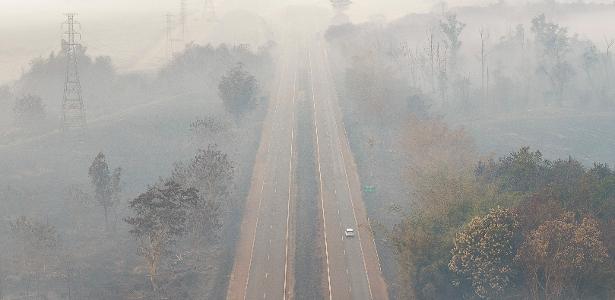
170,51
182,18
209,11
73,109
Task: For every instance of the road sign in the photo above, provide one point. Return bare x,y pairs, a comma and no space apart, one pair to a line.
369,189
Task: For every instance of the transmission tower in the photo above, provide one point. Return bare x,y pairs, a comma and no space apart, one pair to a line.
182,18
209,11
170,27
73,110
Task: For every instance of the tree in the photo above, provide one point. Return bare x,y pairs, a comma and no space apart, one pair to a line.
560,254
521,171
553,44
35,245
106,186
340,7
484,252
452,28
210,172
160,219
29,109
238,90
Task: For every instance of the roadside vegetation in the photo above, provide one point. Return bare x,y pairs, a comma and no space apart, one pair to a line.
148,207
520,227
452,221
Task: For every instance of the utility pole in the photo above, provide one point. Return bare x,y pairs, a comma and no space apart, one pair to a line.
73,109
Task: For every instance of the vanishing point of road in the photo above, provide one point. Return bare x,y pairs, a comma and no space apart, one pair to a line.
263,267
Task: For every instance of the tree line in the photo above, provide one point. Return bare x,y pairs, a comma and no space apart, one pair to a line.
521,227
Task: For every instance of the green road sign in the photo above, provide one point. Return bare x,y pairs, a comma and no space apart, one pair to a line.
369,189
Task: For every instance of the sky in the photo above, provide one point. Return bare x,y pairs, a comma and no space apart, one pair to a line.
124,29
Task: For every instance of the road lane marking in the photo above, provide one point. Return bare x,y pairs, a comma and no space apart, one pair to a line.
290,180
350,195
322,202
260,200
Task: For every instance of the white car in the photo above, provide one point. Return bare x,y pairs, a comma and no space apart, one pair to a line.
349,232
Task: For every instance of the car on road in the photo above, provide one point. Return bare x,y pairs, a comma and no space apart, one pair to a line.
349,232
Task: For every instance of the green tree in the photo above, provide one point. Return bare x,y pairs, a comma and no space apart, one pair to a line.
452,28
106,185
159,220
553,45
238,90
29,109
35,245
484,251
521,171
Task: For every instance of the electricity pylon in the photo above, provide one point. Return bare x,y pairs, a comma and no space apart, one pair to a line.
170,27
73,109
209,11
182,18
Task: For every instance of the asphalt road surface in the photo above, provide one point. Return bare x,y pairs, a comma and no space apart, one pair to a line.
264,255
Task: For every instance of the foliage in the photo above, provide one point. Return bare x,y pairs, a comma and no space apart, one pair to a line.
106,185
238,89
521,171
484,251
29,109
452,28
35,250
208,125
549,238
159,220
561,253
341,5
211,172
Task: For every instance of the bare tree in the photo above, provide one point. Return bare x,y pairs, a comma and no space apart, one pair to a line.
484,88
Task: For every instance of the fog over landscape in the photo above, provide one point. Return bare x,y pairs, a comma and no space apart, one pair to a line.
326,149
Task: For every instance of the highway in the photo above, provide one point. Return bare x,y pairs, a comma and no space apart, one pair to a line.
352,264
263,267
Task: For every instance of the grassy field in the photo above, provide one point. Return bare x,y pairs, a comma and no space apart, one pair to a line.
587,137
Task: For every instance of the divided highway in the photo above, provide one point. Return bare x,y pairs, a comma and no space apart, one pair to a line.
264,255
